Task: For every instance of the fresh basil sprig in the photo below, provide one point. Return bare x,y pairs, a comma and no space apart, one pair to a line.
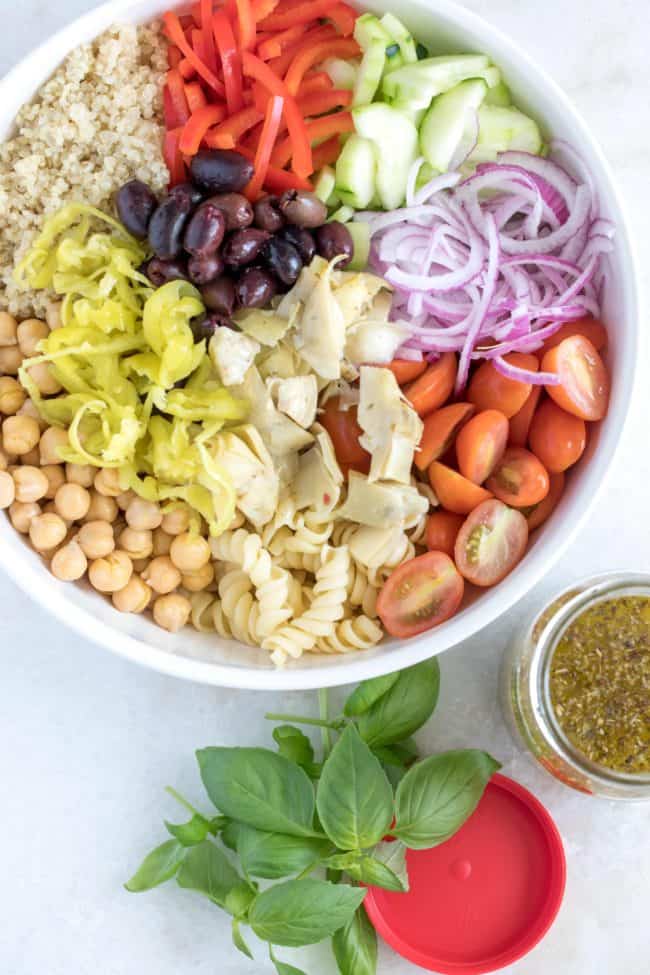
286,816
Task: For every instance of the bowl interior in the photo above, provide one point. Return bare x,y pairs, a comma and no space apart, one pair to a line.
207,658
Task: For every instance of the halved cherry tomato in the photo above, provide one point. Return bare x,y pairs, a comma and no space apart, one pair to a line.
557,438
491,543
519,479
440,429
406,370
538,514
442,529
345,431
591,328
480,445
455,492
434,387
584,380
420,594
489,390
520,422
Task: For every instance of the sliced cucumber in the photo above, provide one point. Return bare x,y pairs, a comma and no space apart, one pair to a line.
501,129
499,95
402,36
325,183
426,172
343,215
368,28
355,172
395,141
333,200
394,57
415,85
369,75
360,233
444,123
343,73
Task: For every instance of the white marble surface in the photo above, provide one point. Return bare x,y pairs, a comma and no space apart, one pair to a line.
89,741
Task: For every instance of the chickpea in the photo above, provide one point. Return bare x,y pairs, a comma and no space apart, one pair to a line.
124,500
199,579
69,563
162,575
32,457
101,508
138,544
55,475
176,521
82,474
6,460
72,502
139,565
21,514
134,598
161,542
53,316
47,383
96,539
107,482
31,483
111,573
51,509
11,359
47,531
12,395
172,612
189,552
52,440
20,434
143,515
7,490
8,328
29,409
30,332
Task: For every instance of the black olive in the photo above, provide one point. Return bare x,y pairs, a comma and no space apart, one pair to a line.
333,239
160,272
204,231
204,268
237,211
302,239
219,295
255,288
267,214
167,225
135,202
243,246
220,170
283,259
205,326
302,208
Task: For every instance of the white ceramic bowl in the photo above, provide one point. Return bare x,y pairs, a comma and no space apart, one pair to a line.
208,659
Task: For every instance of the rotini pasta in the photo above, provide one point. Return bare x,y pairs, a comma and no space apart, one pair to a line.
357,633
310,535
201,613
236,613
361,592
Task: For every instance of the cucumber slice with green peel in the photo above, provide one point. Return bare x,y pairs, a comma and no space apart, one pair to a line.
370,73
402,36
499,95
502,129
355,172
368,28
425,173
325,183
360,233
414,86
444,124
333,200
343,73
343,215
394,57
395,141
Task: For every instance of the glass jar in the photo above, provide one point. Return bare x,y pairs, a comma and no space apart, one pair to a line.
526,691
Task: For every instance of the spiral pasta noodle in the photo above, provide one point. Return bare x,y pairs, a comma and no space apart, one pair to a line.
357,633
201,613
361,592
236,613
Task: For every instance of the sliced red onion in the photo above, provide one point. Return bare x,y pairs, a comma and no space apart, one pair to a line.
525,375
434,186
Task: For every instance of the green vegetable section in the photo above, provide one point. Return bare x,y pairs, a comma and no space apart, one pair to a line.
317,826
119,355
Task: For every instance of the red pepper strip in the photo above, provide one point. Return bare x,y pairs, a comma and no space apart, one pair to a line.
343,18
276,43
169,112
186,69
263,8
195,96
299,14
195,12
196,40
318,34
230,60
319,129
208,36
278,180
175,33
246,22
319,102
316,81
186,21
195,129
230,132
300,153
173,158
344,47
174,56
177,96
326,153
265,146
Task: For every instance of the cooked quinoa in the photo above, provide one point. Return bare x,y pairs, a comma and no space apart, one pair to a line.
94,125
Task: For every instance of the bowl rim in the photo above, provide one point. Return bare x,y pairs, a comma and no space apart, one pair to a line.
367,664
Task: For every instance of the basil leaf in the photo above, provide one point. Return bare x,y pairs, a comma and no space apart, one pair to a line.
400,755
190,833
282,967
260,788
393,855
354,798
238,939
367,870
207,870
355,946
408,704
367,693
157,867
229,834
294,745
437,795
274,855
302,912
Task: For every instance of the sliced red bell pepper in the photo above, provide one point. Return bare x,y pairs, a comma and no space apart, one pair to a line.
230,60
323,33
278,180
315,81
319,129
175,33
174,56
307,56
275,44
176,89
343,17
246,21
230,132
186,69
173,158
265,146
195,13
300,14
195,96
326,153
208,36
195,129
263,8
169,112
319,102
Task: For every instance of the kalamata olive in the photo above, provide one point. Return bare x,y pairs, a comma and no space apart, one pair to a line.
283,259
204,269
267,214
333,239
167,225
236,209
135,202
255,288
205,326
186,189
204,231
243,246
302,208
302,239
219,295
160,272
220,170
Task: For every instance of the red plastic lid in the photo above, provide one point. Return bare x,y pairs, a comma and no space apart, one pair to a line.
485,897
